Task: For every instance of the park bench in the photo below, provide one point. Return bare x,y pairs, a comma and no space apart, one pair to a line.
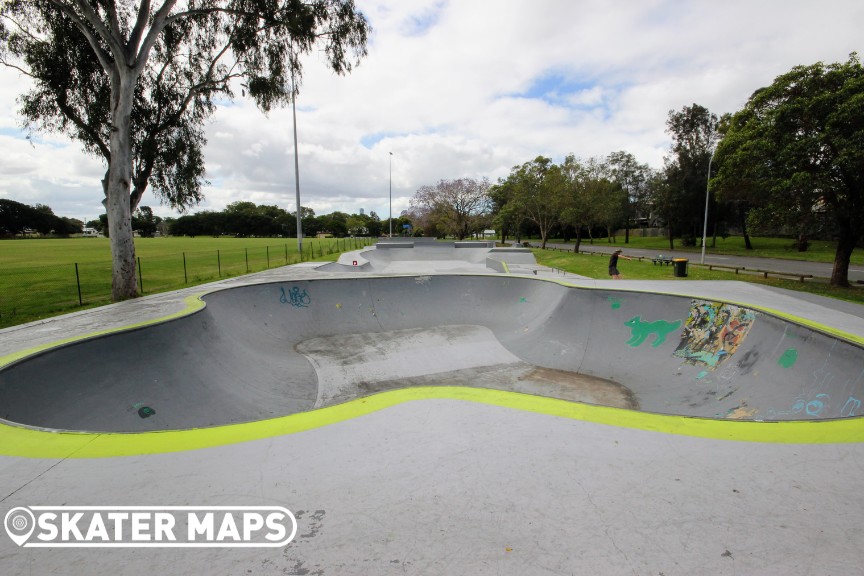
765,273
662,260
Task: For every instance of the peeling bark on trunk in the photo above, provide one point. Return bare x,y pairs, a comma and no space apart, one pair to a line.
124,284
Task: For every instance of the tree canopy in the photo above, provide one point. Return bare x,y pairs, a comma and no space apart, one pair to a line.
135,81
17,218
459,207
694,136
800,143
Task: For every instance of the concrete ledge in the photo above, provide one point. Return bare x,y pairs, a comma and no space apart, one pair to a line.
386,245
474,244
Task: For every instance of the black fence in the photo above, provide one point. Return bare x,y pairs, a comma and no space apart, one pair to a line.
33,292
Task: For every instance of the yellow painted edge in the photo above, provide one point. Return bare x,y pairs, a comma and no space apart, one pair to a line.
191,304
24,442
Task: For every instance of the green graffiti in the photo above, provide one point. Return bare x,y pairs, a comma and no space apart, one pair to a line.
641,330
615,303
788,359
146,412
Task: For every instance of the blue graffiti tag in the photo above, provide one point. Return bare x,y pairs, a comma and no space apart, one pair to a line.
295,297
816,406
851,406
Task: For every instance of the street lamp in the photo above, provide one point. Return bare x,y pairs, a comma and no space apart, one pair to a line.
296,167
705,223
391,195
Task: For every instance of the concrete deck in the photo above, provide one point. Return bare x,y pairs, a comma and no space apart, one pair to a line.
414,448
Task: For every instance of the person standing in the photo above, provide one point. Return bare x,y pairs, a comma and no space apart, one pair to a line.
613,264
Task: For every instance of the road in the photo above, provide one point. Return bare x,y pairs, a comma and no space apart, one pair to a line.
817,269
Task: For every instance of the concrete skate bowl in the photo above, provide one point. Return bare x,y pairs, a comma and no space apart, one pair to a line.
449,257
262,351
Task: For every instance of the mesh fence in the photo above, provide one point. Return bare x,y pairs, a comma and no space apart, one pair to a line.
30,293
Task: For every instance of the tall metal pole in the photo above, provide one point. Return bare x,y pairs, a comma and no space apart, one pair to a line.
705,223
391,195
296,167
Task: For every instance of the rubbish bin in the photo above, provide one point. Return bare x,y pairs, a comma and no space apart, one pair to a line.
680,265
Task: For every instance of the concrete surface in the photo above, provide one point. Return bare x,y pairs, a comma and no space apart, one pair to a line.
414,452
275,349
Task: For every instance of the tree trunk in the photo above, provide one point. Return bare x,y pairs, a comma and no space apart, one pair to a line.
671,239
843,255
627,231
124,283
743,215
578,241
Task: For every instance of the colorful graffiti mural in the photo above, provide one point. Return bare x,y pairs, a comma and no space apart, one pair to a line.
713,332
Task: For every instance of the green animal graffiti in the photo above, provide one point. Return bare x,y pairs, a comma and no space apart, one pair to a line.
641,330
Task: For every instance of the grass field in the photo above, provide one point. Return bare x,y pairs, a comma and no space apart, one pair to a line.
819,250
597,267
42,277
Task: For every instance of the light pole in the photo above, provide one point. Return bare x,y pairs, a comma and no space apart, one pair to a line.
705,223
391,195
296,167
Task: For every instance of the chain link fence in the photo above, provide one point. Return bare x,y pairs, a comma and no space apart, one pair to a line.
30,293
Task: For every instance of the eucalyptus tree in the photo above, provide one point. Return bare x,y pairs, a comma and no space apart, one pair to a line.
800,142
632,177
694,135
134,82
539,194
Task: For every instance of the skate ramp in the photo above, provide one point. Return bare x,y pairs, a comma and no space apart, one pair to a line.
260,351
408,256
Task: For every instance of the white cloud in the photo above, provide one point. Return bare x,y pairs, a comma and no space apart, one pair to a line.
471,88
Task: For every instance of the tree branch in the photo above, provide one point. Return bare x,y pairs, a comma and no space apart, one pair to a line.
69,112
18,68
160,20
140,24
103,57
113,20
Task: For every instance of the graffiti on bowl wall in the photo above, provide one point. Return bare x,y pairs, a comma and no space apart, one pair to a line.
713,332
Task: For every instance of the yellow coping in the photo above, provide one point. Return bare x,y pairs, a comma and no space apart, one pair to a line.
25,442
36,443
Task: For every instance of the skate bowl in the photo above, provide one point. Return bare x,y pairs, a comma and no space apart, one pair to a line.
263,351
404,256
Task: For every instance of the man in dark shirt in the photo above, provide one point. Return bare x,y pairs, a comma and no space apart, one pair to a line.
613,264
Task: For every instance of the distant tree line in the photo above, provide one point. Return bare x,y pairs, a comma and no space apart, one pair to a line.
790,163
244,219
17,218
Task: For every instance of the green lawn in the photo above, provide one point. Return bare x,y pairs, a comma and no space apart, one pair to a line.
38,276
42,277
597,267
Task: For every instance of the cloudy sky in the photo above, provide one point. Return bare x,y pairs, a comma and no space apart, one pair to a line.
469,88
